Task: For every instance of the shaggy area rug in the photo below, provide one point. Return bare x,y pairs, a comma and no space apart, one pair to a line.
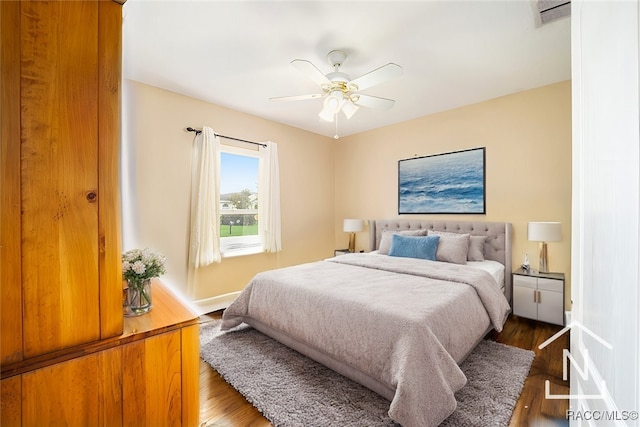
292,390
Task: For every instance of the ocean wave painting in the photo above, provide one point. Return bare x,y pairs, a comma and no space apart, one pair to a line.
443,183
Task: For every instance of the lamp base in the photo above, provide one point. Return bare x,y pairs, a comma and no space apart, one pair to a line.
544,258
352,242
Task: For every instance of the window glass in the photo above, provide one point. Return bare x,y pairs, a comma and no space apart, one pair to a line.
239,202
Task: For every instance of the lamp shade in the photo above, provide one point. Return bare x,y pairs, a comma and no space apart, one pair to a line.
544,231
352,225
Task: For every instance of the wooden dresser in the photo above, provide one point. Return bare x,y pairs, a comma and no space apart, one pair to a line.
67,356
148,376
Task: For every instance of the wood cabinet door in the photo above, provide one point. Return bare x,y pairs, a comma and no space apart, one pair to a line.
10,259
70,247
152,381
190,375
11,401
86,391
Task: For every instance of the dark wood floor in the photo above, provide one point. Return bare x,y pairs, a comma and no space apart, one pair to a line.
532,409
222,406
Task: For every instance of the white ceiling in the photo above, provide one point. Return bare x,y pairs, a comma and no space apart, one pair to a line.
236,54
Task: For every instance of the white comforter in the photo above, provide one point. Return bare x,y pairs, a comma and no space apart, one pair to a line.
404,322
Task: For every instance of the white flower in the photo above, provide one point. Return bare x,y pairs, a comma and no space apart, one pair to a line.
139,267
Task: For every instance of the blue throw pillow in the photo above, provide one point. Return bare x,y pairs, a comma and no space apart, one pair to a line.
423,247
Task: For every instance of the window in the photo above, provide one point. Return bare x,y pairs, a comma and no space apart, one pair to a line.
257,172
239,202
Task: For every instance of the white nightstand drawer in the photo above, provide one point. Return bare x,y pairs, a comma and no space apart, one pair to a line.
525,281
550,284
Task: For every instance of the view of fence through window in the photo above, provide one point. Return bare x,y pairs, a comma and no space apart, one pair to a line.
238,201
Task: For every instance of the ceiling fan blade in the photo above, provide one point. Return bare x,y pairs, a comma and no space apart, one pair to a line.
311,71
377,76
296,97
372,101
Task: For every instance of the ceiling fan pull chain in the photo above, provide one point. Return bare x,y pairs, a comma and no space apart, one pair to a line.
335,136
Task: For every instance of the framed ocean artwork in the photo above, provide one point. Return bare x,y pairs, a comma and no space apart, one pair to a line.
448,183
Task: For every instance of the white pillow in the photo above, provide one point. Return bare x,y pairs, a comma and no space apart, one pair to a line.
452,247
386,238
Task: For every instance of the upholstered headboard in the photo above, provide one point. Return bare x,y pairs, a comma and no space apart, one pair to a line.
497,246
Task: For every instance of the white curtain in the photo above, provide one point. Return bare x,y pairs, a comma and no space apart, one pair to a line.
204,245
269,198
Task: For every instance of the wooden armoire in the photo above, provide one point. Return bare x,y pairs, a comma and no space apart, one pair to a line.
67,355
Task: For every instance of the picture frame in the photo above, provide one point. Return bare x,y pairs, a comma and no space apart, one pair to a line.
446,183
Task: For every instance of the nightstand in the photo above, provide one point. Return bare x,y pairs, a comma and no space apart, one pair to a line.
539,296
341,252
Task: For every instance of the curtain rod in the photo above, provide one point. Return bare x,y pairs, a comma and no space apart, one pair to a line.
198,132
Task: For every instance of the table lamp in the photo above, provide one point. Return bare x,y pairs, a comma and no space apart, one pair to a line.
352,226
544,232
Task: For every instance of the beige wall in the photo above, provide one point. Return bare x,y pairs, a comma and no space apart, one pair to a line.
528,165
528,162
156,187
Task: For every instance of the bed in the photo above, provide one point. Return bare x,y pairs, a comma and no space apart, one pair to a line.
398,319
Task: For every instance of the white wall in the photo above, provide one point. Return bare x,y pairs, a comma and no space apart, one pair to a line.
606,200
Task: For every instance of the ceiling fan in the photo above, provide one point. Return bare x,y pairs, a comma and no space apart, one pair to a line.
340,93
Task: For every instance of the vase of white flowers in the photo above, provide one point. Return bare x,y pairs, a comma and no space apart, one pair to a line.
139,266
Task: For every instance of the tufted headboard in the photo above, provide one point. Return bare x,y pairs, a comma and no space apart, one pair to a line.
497,247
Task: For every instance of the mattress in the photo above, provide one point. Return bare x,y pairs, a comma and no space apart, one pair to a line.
492,267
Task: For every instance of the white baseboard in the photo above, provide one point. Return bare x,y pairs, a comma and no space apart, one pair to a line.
216,303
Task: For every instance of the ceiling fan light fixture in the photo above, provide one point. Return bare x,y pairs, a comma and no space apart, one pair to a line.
327,114
332,105
349,109
334,101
